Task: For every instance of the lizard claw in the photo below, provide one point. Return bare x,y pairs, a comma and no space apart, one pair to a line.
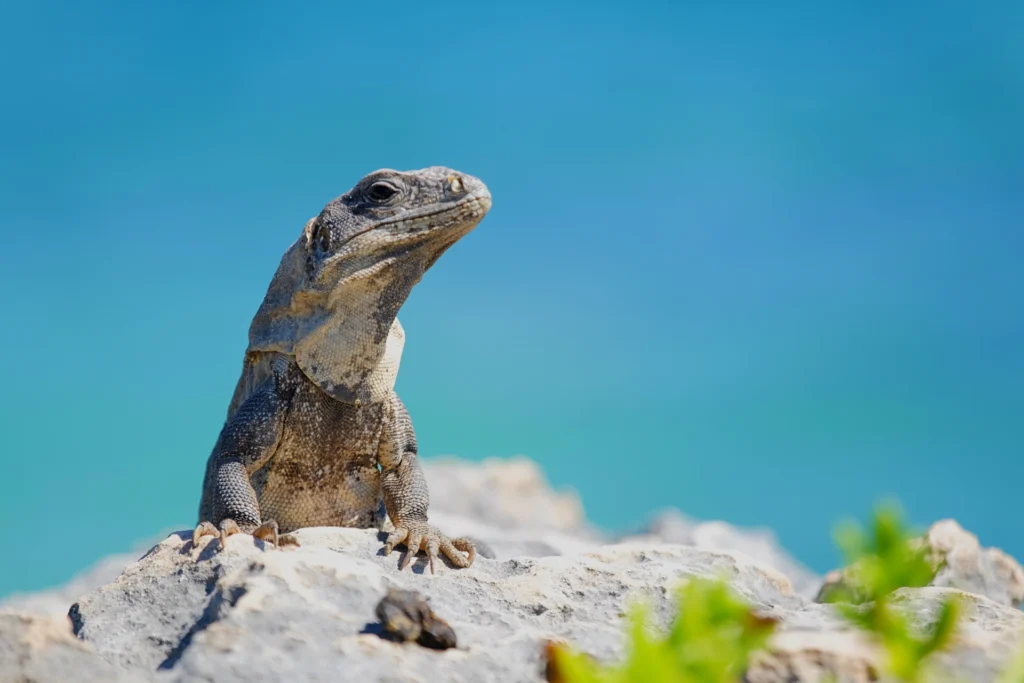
228,527
394,538
420,534
412,545
268,533
286,540
204,529
433,544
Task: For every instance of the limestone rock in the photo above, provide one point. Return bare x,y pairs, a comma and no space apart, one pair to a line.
56,601
502,492
42,648
961,563
816,657
990,634
672,526
247,613
506,505
964,564
308,614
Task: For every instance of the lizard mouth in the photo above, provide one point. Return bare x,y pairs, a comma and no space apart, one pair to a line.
407,227
467,211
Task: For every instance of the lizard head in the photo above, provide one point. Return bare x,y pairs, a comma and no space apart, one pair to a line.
334,299
391,213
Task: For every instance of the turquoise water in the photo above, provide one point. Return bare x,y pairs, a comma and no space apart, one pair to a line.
760,263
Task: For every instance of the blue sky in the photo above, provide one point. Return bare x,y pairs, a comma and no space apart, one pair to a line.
761,263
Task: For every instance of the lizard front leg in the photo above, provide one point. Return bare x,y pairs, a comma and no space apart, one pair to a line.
406,497
247,440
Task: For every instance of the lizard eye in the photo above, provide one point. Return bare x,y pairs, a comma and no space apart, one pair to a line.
381,192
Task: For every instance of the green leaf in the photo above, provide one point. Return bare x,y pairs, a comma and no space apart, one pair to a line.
883,559
710,640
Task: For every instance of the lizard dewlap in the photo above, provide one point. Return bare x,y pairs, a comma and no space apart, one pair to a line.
315,433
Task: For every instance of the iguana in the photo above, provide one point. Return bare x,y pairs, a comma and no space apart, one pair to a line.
315,434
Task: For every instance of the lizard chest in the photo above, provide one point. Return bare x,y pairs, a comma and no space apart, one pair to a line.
324,470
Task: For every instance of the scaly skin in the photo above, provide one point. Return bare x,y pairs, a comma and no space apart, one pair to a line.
314,413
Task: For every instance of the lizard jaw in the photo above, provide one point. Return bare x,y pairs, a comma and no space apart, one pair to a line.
465,213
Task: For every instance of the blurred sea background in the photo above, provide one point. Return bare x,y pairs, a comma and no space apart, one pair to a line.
761,262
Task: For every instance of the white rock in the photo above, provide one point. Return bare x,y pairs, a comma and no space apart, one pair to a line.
40,648
672,526
961,563
245,614
510,492
307,614
964,564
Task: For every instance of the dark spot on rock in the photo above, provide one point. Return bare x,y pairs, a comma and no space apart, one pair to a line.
75,615
406,617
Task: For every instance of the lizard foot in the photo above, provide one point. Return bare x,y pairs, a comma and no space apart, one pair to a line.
268,533
414,535
228,527
204,529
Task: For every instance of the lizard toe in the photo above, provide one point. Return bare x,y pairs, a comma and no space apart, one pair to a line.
413,547
288,541
451,548
433,544
203,530
228,527
267,532
460,551
394,538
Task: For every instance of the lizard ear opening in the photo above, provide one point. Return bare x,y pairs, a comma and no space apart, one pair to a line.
307,232
317,236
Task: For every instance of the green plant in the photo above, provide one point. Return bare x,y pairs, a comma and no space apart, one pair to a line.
715,633
1014,671
882,560
710,641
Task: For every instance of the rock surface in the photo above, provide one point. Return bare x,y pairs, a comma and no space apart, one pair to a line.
309,613
964,564
672,526
508,506
56,601
300,613
247,613
42,648
961,563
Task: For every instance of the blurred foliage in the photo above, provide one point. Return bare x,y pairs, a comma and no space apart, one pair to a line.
881,560
1014,671
710,641
715,633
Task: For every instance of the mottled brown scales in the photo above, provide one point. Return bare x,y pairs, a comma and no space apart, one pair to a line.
315,434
